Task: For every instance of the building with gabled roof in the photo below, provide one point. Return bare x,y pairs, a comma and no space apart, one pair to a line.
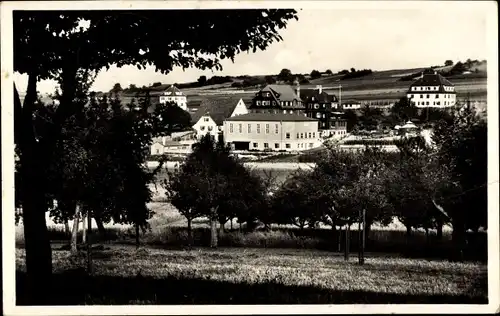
210,116
432,90
173,94
275,98
320,105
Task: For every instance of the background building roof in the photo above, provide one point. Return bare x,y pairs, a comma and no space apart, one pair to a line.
218,109
433,79
282,92
274,117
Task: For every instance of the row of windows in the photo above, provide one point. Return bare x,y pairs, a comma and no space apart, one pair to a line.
283,103
446,96
434,88
434,103
288,146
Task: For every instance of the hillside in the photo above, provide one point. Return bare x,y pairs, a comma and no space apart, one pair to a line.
469,77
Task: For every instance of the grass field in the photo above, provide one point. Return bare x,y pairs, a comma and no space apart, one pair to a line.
123,275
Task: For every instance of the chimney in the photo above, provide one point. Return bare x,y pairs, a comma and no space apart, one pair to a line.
320,88
297,89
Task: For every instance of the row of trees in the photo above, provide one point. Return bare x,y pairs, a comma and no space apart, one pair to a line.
424,187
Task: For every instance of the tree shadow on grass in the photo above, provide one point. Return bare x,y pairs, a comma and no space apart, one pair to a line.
75,288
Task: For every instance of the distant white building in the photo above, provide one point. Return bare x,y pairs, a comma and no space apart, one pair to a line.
432,90
173,94
351,105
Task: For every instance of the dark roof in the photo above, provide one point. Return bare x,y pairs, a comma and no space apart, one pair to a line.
433,79
218,109
282,92
323,97
271,117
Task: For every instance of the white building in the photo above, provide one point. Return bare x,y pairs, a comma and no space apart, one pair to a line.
173,94
210,116
272,131
432,90
351,105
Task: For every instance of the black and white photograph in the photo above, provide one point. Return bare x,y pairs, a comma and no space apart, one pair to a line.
246,157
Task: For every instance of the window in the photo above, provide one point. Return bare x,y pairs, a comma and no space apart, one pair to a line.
255,145
324,115
309,135
291,112
240,128
276,128
310,145
438,102
230,127
205,119
428,96
274,102
314,135
436,95
316,106
305,135
411,96
287,135
258,128
157,151
202,128
257,102
318,115
249,128
276,146
287,145
267,128
421,96
284,111
301,135
266,145
210,128
427,103
298,135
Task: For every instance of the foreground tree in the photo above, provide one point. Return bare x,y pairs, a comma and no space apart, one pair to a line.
52,45
461,142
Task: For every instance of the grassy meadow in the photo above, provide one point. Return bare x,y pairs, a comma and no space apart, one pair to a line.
123,275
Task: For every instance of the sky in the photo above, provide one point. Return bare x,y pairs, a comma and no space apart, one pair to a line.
336,39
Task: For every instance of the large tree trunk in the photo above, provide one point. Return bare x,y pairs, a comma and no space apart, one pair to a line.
213,228
100,227
74,233
37,243
89,244
84,230
439,233
66,227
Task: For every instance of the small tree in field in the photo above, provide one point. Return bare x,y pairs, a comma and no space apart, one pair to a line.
213,183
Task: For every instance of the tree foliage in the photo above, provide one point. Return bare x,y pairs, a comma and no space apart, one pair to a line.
58,45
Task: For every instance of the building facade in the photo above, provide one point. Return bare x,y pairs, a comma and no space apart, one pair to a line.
272,132
320,105
432,90
276,98
209,118
173,94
